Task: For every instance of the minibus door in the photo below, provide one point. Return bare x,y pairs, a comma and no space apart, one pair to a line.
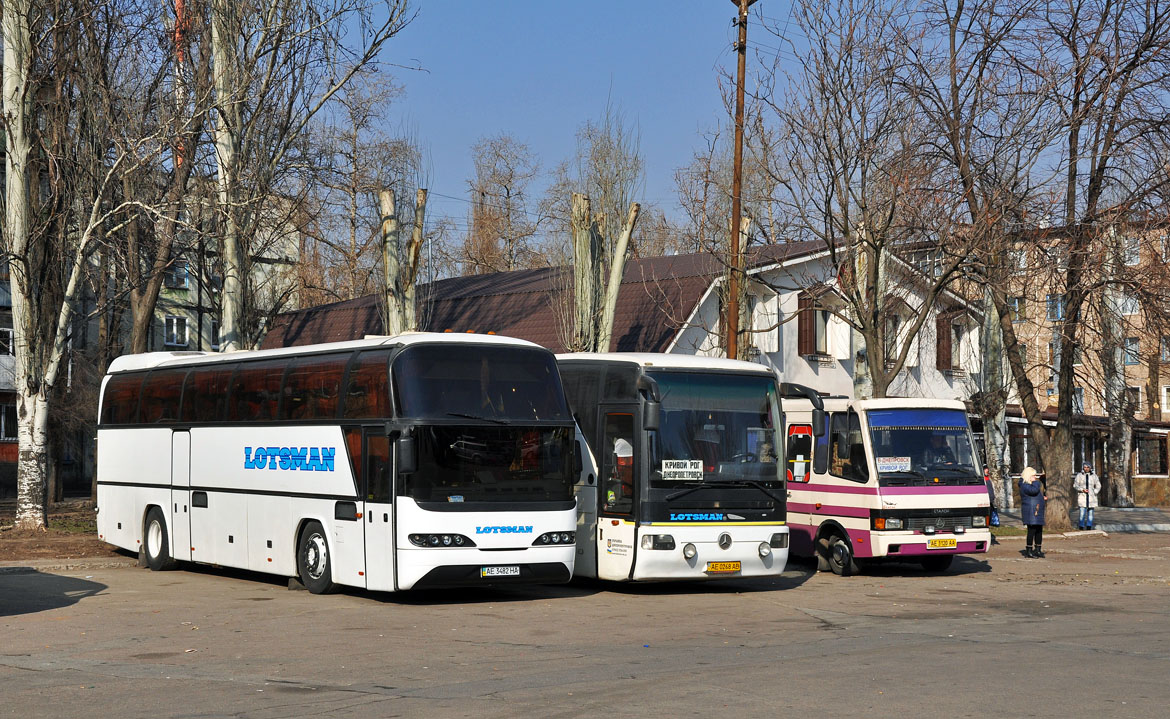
180,509
616,529
379,509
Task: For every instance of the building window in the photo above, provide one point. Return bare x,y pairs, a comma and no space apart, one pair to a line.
1018,308
1166,249
1129,304
1077,359
1132,253
1131,351
1151,454
7,341
176,276
949,344
176,331
1078,403
1166,349
812,327
8,422
1055,307
215,335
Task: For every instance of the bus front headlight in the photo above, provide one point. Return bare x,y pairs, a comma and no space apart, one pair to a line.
657,541
880,523
779,540
979,521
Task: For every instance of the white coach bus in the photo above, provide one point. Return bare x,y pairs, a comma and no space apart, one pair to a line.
689,454
890,479
422,460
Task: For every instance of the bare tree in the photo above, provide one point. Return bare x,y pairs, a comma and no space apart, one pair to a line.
502,231
355,160
852,177
276,64
67,147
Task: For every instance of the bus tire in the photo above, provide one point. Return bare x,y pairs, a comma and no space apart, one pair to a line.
822,555
155,541
314,565
937,563
841,557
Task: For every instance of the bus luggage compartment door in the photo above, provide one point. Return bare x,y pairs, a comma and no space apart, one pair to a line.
180,510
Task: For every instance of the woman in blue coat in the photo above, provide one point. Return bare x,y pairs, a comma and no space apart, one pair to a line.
1032,505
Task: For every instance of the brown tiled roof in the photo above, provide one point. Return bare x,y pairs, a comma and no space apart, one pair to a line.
657,296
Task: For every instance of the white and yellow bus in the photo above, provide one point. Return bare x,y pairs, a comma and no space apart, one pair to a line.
683,478
422,460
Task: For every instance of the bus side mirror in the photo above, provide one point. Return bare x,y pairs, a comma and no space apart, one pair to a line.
651,415
404,448
818,422
843,446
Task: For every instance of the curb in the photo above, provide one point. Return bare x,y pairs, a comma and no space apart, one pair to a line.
64,565
1130,527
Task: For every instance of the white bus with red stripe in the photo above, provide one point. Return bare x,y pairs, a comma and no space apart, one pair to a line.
890,479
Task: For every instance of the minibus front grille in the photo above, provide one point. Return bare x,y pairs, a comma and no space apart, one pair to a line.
939,523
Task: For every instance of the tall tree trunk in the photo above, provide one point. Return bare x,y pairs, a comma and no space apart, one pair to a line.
587,252
413,260
992,408
393,322
1118,446
617,271
31,412
226,129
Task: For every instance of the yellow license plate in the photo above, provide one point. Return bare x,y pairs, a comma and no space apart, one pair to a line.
945,543
722,567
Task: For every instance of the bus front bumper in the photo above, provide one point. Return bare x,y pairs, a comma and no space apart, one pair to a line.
917,545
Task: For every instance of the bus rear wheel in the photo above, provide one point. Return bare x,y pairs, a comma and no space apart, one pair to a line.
938,563
155,542
841,557
313,563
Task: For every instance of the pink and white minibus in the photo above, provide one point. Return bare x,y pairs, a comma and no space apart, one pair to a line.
890,479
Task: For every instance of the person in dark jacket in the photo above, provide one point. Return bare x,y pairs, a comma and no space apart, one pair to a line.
1033,502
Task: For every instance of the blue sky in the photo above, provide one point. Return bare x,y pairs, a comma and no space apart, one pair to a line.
539,70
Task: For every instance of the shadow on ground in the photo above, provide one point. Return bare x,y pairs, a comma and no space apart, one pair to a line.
30,591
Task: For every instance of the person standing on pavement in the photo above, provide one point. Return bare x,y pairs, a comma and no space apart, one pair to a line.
1033,502
1086,484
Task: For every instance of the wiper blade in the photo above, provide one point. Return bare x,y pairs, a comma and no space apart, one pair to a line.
723,483
685,492
476,416
903,473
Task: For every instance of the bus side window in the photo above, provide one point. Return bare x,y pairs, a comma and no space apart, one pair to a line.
378,468
800,448
618,467
821,450
846,449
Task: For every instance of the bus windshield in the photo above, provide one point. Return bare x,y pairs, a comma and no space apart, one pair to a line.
914,443
492,464
499,384
715,428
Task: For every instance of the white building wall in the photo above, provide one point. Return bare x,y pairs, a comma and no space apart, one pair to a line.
832,373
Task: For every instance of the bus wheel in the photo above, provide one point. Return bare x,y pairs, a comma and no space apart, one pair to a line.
313,563
155,541
841,557
938,563
822,554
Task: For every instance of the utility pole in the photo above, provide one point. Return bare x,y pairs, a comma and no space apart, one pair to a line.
732,320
